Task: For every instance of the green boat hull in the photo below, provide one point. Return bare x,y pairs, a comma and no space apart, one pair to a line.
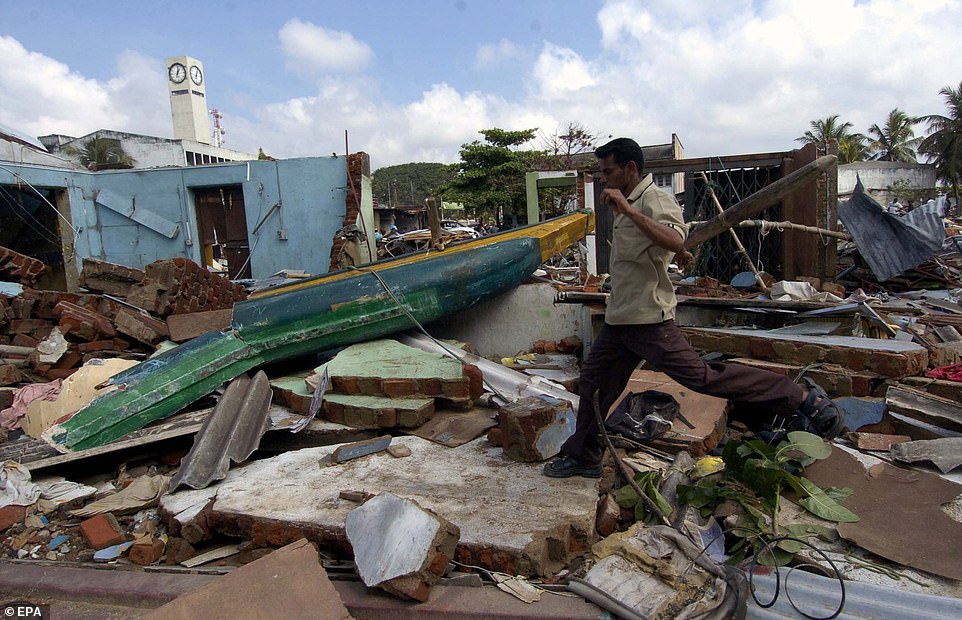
314,315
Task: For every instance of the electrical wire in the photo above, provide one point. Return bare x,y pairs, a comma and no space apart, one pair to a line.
44,198
15,207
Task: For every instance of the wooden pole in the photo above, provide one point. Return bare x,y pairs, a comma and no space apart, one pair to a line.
759,201
738,242
434,223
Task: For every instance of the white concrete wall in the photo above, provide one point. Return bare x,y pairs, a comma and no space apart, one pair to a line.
877,176
511,323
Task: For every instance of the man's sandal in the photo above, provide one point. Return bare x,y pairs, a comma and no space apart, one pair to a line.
818,414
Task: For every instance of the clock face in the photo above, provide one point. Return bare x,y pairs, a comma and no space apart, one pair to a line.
177,73
195,75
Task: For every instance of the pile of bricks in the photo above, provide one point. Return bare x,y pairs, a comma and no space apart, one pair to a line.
47,335
179,285
14,265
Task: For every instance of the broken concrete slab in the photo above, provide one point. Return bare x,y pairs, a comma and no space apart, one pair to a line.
707,414
110,278
511,517
399,546
889,358
534,428
944,453
288,583
389,368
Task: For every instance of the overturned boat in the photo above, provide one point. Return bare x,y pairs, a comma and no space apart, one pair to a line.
336,309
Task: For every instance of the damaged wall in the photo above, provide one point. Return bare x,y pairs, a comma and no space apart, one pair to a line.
134,217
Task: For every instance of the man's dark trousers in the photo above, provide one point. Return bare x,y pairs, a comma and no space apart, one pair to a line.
619,349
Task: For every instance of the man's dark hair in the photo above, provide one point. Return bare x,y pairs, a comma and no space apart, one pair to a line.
623,151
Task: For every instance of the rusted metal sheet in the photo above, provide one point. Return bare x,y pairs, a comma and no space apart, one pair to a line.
891,244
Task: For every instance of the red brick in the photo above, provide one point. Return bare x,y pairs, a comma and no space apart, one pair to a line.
147,552
178,550
10,516
10,374
475,381
399,388
23,340
102,531
455,388
140,327
84,323
96,345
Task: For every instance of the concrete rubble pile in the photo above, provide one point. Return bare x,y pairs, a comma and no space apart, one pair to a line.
412,470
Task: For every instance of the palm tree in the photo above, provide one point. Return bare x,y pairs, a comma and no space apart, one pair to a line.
851,146
100,153
943,145
895,141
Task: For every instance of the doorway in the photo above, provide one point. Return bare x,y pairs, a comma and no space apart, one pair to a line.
222,230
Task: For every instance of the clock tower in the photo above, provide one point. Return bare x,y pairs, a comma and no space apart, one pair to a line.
188,99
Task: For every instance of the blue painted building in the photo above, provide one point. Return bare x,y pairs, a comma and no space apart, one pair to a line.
261,216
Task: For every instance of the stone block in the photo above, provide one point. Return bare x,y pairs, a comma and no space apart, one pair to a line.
534,428
945,354
102,531
399,546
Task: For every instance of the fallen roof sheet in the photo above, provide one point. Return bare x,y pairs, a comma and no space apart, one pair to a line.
231,432
891,244
819,596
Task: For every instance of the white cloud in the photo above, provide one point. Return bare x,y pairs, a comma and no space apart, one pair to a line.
747,78
312,49
490,55
560,72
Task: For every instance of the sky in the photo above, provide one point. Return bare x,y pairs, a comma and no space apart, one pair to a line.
413,81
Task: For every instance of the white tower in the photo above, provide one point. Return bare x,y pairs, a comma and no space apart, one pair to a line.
188,99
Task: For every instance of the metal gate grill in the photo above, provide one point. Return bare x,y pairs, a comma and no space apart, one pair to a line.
719,257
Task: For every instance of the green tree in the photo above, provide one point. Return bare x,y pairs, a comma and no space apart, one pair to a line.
896,140
851,146
409,184
489,179
943,145
101,153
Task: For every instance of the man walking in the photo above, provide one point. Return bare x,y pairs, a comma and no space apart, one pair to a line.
639,323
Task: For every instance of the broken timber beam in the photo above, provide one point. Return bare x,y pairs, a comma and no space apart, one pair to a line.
759,201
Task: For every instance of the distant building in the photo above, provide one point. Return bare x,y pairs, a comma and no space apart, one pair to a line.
878,178
147,151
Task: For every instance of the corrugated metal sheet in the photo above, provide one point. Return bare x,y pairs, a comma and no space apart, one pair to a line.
891,244
231,432
819,596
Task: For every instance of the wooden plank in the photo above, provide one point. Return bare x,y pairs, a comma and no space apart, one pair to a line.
176,426
186,326
759,201
925,407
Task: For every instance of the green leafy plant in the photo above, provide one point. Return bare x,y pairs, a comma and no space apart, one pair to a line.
756,473
647,481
